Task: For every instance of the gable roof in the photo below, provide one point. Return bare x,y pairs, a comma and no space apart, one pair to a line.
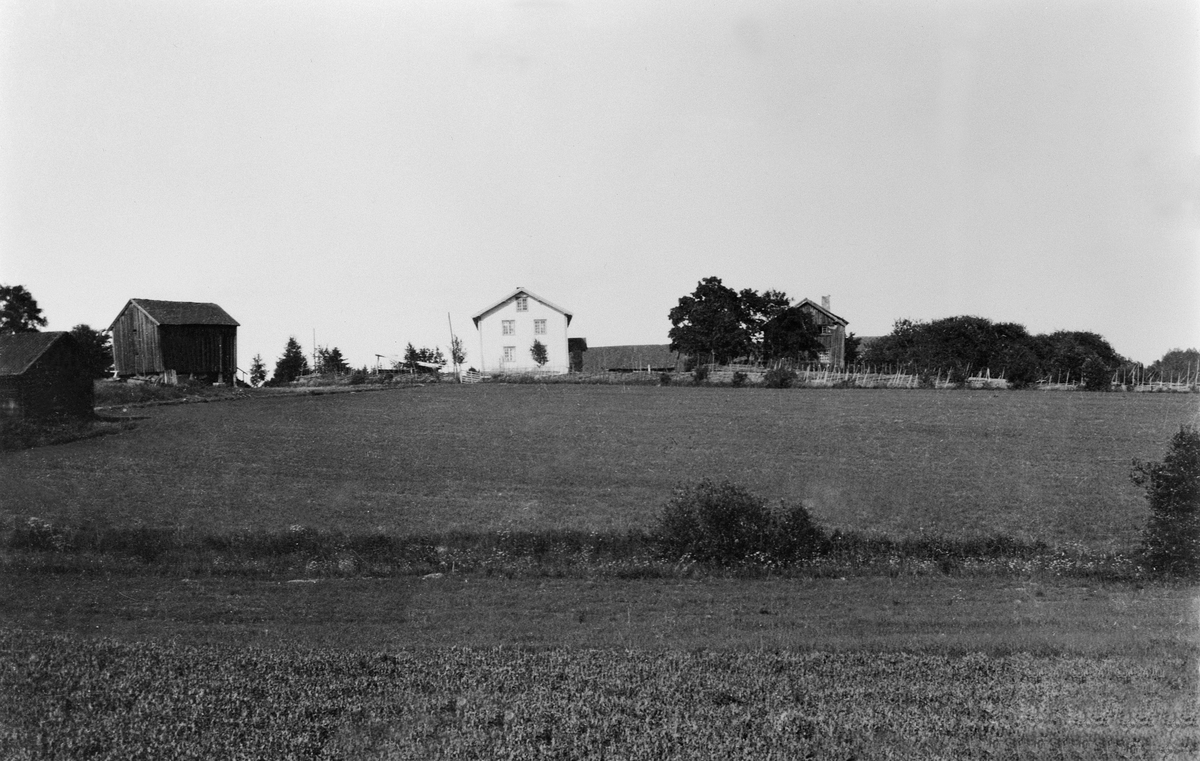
18,351
180,312
823,310
484,312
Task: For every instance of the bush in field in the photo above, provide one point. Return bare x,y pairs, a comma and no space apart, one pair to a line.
700,374
722,523
779,377
1171,538
739,379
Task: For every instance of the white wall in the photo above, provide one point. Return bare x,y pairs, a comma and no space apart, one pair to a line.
492,339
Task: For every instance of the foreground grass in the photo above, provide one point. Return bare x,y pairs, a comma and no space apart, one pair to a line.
476,667
1035,467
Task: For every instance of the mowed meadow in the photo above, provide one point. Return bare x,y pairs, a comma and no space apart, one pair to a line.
1036,466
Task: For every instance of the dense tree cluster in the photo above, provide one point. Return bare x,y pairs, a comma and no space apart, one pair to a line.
413,356
1181,365
718,324
331,361
959,345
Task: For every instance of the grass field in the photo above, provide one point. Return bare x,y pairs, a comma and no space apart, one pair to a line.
1035,466
131,664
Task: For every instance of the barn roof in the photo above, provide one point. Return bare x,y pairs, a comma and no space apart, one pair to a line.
629,357
180,312
826,312
18,351
483,312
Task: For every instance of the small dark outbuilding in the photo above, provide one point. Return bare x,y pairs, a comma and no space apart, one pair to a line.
152,337
44,375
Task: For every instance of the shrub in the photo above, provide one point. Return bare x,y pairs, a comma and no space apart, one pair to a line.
700,374
1097,376
779,377
664,379
722,523
739,379
1171,538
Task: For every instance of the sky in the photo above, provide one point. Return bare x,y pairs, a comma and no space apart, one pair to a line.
376,173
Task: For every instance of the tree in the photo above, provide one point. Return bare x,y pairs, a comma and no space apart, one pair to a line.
97,348
758,311
853,348
292,364
792,335
458,355
711,323
19,311
1171,538
258,371
538,352
1064,353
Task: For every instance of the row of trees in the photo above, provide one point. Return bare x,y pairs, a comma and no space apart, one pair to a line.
961,345
293,363
720,324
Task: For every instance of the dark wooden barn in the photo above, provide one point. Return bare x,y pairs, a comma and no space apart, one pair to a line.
173,338
44,375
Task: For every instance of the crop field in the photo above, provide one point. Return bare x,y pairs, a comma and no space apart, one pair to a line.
160,664
1035,466
103,699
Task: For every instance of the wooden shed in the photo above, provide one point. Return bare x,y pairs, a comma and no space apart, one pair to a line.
44,375
171,338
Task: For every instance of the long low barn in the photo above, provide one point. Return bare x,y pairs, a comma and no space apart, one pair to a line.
655,358
44,375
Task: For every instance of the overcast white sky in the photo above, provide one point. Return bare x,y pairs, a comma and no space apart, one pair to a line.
361,169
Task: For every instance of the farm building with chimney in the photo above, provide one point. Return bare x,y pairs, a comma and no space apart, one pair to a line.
44,375
172,338
833,330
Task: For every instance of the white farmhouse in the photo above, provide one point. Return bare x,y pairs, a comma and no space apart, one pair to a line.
508,329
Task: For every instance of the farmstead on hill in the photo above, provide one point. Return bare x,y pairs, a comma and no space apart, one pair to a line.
171,338
509,327
44,375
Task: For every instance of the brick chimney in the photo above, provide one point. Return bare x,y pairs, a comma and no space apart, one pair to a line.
825,302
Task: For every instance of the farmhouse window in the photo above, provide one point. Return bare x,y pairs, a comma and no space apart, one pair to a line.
539,327
510,353
508,327
522,303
